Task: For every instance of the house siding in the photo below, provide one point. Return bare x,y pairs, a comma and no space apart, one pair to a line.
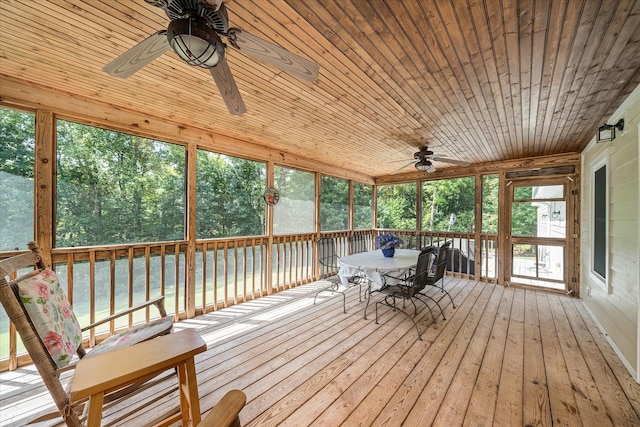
616,308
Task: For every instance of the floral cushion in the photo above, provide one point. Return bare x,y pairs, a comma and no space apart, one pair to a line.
134,335
51,315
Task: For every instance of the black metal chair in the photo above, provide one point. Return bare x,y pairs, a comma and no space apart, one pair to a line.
328,260
408,288
439,270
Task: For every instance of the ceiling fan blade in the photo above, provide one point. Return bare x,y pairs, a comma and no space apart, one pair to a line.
403,167
275,55
452,161
138,56
228,89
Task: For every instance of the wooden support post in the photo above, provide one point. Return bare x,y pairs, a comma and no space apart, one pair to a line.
190,256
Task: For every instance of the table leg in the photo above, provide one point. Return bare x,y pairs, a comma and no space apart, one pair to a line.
94,417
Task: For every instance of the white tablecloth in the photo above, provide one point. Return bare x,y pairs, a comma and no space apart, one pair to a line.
373,264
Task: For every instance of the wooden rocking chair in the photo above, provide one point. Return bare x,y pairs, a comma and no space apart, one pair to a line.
50,331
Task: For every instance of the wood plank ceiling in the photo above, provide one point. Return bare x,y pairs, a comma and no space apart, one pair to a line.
476,80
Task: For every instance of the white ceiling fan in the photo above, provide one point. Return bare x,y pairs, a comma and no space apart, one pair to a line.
195,33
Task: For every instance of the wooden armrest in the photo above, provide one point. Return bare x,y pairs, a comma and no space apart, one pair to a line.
225,413
15,263
158,302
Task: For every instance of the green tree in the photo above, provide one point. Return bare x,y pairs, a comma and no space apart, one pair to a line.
295,212
449,205
334,204
396,206
362,205
117,188
17,147
228,196
490,185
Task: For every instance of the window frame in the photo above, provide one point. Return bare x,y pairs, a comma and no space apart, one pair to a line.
57,123
603,160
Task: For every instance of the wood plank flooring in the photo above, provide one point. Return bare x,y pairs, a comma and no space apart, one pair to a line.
503,357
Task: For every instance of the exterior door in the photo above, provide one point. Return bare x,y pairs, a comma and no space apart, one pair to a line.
539,243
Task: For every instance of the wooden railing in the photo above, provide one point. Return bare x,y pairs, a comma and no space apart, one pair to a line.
100,281
229,271
463,251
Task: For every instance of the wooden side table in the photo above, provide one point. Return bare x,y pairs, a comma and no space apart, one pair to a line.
114,370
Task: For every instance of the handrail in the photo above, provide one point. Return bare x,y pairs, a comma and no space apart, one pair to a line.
102,280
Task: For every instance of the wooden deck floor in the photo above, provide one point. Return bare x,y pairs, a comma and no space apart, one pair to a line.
504,357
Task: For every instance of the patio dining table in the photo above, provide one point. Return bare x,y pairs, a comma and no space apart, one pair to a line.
374,266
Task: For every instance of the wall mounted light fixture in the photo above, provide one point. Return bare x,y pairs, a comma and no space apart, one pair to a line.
608,132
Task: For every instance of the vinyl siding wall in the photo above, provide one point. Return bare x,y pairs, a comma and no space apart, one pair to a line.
615,306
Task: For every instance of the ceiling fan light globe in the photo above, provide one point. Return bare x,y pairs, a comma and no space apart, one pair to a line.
423,165
195,43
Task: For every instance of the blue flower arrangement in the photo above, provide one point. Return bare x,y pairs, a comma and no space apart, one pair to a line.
388,241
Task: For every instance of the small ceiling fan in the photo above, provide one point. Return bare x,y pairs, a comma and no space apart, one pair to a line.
194,34
422,160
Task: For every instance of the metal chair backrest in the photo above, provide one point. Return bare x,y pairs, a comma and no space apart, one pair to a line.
327,256
423,268
441,263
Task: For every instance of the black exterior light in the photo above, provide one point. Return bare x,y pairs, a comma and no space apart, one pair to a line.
608,132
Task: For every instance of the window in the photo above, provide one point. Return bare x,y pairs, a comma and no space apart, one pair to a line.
229,199
538,211
362,205
334,204
449,205
396,206
115,188
599,218
17,147
295,212
490,204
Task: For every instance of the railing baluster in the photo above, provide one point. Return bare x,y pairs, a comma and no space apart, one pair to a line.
204,278
244,270
176,284
163,275
92,295
112,290
130,281
215,276
235,275
293,265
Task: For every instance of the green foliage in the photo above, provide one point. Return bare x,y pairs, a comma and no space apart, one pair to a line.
295,212
17,143
362,205
524,219
334,204
228,196
490,185
117,188
17,134
448,205
397,206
